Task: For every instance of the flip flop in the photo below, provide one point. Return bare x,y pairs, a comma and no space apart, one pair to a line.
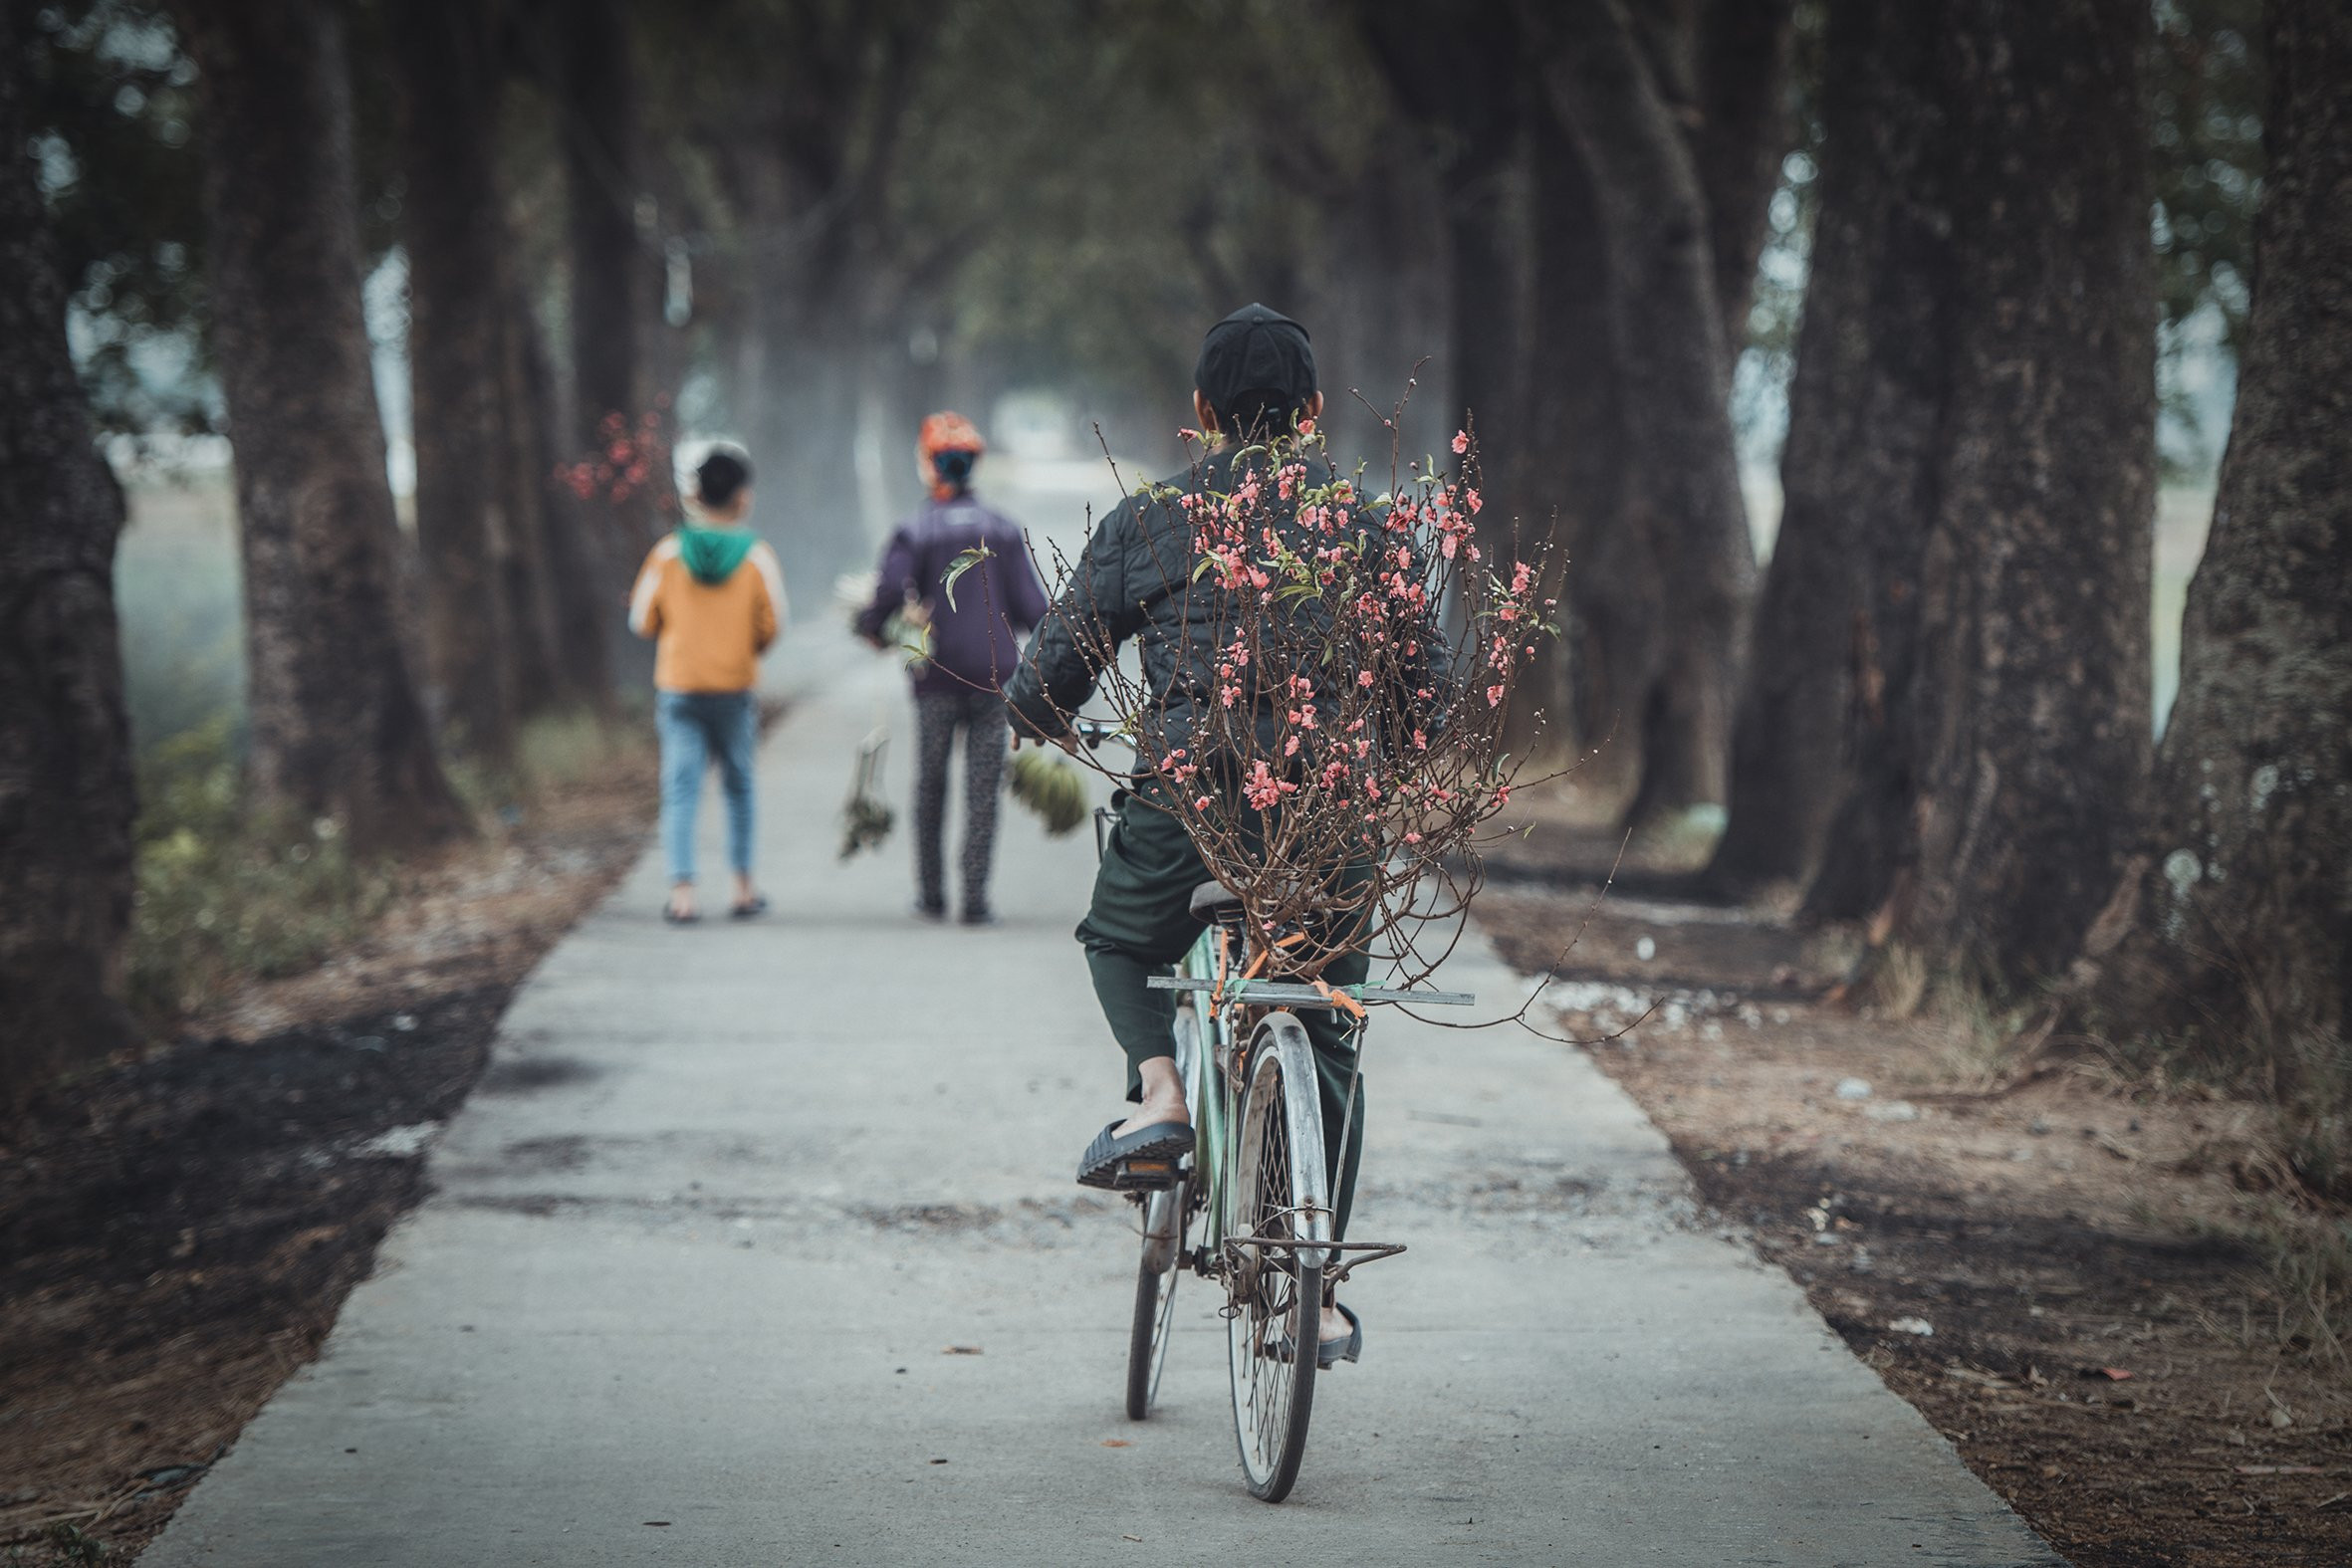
1328,1353
750,911
1143,1160
674,918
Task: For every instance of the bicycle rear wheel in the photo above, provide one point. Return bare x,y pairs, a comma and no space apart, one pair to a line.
1277,1292
1164,1216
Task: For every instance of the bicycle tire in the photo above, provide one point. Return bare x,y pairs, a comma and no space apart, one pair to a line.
1276,1296
1165,1216
1155,1312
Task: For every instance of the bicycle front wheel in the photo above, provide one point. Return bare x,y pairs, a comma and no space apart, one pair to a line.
1277,1293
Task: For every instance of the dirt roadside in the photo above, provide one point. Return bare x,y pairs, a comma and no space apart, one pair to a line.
177,1233
2063,1274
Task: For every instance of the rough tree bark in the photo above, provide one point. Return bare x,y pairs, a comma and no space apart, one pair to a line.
1572,480
1834,625
1459,88
1743,129
2233,932
556,601
1659,602
2032,697
612,275
65,741
453,228
337,727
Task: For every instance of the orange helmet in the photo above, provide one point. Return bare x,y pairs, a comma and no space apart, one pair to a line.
946,431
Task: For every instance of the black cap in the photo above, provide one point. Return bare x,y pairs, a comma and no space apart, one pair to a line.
1256,356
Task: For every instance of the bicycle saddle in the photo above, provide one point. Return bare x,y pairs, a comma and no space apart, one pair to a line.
1213,901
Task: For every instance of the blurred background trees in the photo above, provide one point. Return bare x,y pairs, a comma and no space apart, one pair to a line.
1987,268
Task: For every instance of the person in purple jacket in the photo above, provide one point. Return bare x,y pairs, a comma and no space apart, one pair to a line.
975,645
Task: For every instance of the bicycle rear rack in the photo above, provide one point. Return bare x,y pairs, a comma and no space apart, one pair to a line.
1333,1274
1293,993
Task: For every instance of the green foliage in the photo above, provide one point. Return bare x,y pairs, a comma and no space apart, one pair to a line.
176,594
113,135
1053,788
2209,83
2206,100
553,752
226,893
69,1545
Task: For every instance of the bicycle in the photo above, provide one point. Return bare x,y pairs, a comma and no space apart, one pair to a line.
1255,1183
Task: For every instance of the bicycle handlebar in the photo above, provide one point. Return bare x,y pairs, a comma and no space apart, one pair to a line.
1096,731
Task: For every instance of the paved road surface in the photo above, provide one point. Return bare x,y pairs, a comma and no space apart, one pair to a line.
703,1238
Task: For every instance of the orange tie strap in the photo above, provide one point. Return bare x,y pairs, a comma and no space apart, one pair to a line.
1339,1000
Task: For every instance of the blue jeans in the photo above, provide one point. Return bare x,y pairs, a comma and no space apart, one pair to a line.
696,727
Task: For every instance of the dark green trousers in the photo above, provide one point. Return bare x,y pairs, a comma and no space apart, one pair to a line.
1141,923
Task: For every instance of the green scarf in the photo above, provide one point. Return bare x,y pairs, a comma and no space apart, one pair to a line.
713,553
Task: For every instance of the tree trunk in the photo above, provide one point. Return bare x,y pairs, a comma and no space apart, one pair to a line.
2234,932
453,226
337,727
1742,133
557,604
1834,627
65,739
2033,689
1572,479
611,275
1661,598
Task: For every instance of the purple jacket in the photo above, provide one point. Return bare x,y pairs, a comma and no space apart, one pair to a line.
975,643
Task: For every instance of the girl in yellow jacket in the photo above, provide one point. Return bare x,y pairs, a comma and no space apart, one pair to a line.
711,596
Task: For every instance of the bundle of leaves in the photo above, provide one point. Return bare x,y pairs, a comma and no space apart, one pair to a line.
866,817
1051,788
1339,753
866,823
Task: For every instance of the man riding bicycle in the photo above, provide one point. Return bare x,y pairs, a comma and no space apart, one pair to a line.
1137,581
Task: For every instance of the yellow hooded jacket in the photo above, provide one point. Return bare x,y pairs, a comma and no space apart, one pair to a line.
709,635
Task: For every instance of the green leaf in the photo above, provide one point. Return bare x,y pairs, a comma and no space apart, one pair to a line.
961,564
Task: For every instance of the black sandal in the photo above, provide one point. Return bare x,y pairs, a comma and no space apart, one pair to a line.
752,910
1143,1160
1328,1353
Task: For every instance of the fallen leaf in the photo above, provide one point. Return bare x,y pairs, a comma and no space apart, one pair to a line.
1130,1537
961,1350
2111,1374
1116,1443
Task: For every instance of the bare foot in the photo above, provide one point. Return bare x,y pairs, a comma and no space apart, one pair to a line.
682,901
1333,1326
1163,1097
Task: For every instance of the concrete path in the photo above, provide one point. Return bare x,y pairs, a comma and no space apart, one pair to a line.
710,1243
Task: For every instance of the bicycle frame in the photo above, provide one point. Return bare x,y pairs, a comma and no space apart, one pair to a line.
1229,1015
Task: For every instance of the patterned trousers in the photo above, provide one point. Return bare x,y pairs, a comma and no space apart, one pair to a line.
939,716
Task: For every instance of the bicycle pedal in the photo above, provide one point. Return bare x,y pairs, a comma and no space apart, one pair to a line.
1144,1174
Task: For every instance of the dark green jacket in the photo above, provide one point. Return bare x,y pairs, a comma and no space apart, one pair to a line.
1135,580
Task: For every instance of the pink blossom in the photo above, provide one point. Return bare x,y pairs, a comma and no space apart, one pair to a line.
1494,696
1461,442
